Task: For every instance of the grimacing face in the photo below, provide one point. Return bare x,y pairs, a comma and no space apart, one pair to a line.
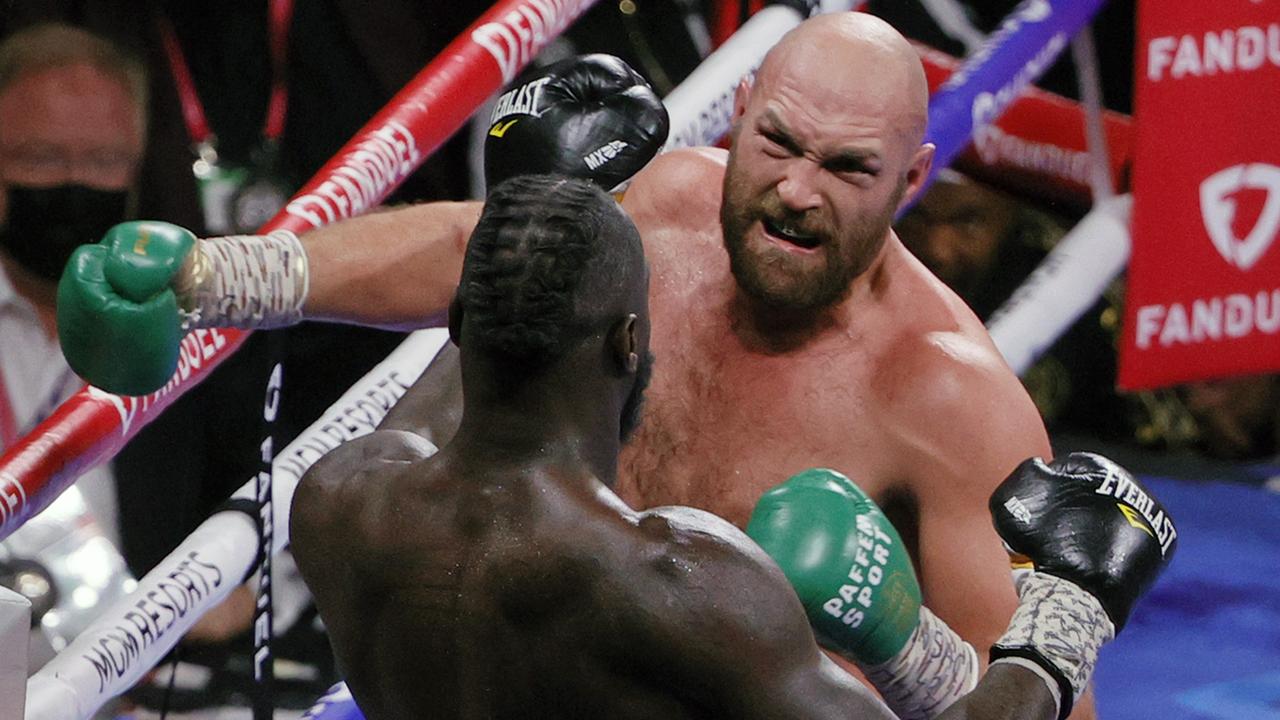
808,199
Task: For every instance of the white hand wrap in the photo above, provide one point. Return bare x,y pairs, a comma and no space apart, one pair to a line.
245,281
934,669
1059,624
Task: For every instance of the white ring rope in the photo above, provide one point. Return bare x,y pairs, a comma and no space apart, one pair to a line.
15,633
136,632
952,18
110,656
1067,282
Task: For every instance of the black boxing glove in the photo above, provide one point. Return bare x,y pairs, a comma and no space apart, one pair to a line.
589,117
1093,540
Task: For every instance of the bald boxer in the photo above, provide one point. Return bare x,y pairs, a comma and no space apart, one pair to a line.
792,326
502,578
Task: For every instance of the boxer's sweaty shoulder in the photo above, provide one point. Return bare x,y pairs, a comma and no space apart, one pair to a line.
675,204
713,616
342,487
705,610
942,375
338,532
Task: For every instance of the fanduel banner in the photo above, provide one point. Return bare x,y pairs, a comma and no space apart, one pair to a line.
1203,296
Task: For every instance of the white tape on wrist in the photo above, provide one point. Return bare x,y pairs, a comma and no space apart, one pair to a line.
1061,623
934,669
247,282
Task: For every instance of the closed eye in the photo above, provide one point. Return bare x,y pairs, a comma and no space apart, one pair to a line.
779,143
849,166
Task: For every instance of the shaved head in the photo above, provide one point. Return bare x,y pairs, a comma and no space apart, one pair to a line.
827,147
863,59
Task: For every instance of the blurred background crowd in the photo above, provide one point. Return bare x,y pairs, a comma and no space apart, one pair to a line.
209,114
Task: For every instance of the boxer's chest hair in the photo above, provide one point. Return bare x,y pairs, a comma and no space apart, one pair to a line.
721,425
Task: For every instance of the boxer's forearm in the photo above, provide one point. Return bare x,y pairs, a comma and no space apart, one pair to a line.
396,268
1005,692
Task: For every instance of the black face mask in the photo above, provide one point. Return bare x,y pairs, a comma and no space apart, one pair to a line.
45,225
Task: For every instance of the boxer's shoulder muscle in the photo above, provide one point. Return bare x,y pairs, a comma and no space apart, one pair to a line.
731,627
711,561
679,189
700,570
948,397
335,493
949,371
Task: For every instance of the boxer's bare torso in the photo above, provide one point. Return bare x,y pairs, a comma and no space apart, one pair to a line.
905,393
901,390
467,585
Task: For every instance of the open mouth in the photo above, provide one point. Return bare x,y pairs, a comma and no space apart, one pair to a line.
790,234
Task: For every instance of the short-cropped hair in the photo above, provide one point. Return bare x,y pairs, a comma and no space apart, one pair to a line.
550,263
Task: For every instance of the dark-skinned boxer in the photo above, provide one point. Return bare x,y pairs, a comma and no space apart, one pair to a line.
892,380
502,578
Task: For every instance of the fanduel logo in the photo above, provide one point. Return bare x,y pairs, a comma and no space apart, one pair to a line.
514,37
1218,209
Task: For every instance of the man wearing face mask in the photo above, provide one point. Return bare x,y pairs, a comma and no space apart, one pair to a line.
72,132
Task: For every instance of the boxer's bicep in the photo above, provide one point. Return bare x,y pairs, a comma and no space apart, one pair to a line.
395,269
979,435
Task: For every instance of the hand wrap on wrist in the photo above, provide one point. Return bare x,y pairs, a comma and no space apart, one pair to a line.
933,670
244,281
1059,627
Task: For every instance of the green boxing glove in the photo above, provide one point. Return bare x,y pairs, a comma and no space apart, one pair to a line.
118,318
845,561
125,304
854,577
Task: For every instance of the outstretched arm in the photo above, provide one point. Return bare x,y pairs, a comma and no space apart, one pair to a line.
395,269
125,303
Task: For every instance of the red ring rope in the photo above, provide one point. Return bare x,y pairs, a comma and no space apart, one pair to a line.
92,426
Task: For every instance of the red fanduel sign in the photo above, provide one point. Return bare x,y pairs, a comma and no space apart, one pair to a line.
1204,280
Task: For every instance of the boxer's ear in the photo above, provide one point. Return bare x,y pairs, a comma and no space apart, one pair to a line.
741,95
917,174
624,343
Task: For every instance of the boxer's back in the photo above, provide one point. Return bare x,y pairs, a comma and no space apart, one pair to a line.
461,593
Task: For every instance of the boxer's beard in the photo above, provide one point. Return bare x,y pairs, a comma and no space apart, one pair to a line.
633,408
777,279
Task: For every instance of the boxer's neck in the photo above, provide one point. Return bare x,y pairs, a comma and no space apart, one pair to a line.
567,413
